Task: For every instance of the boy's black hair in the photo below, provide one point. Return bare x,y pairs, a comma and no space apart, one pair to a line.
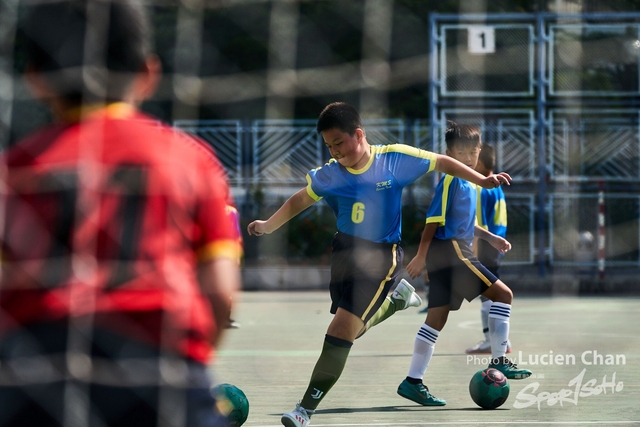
339,115
488,157
462,134
88,50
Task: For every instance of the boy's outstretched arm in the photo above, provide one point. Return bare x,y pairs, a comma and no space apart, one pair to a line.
453,167
292,207
500,243
416,265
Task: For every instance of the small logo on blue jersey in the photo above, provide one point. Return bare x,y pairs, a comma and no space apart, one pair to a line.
384,185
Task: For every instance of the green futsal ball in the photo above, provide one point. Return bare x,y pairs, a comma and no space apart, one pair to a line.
231,402
489,388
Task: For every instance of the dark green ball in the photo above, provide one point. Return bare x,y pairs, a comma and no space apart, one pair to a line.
231,402
489,388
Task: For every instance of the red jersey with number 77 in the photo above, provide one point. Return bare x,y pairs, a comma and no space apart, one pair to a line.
108,219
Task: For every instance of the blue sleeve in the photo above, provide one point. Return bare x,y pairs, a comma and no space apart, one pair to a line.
408,163
319,181
483,209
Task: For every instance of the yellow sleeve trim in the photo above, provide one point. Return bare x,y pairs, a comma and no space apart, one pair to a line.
479,215
310,191
479,206
115,110
411,151
435,219
441,219
231,249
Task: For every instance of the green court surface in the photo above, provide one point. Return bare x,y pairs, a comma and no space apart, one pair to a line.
584,352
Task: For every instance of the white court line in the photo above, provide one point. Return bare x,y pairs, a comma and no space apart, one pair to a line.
469,324
475,324
471,423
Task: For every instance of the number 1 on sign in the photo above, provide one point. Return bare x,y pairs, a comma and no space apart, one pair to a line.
481,39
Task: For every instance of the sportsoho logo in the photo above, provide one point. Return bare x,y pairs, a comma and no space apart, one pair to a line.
577,388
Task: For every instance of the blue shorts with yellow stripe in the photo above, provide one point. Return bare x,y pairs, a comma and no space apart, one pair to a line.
362,273
455,274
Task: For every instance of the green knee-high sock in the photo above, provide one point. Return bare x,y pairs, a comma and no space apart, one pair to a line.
327,371
385,311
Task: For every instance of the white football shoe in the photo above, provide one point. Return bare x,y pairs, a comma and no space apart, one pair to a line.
299,417
404,296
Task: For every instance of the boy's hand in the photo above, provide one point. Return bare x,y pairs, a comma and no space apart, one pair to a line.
502,245
495,180
258,228
415,267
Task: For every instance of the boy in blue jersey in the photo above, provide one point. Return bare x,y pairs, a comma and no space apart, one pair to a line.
363,185
491,214
453,270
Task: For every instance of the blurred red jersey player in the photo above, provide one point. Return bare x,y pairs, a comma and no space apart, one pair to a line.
119,260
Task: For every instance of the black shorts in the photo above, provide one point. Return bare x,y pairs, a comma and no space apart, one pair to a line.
489,257
455,274
128,385
362,273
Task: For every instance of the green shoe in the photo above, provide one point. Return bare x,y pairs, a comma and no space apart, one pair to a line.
509,369
419,393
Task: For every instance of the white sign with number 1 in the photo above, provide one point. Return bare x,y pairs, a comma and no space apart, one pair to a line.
482,39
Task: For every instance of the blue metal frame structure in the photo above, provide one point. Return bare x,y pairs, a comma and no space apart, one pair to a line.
543,98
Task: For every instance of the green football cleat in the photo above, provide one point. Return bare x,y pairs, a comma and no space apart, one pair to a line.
509,369
419,393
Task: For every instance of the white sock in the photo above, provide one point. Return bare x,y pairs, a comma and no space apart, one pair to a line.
484,316
499,314
422,351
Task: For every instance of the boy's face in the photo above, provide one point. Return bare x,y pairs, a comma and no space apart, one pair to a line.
346,149
465,153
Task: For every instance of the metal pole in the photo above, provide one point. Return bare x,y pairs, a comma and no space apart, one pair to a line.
433,75
433,84
601,230
541,151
